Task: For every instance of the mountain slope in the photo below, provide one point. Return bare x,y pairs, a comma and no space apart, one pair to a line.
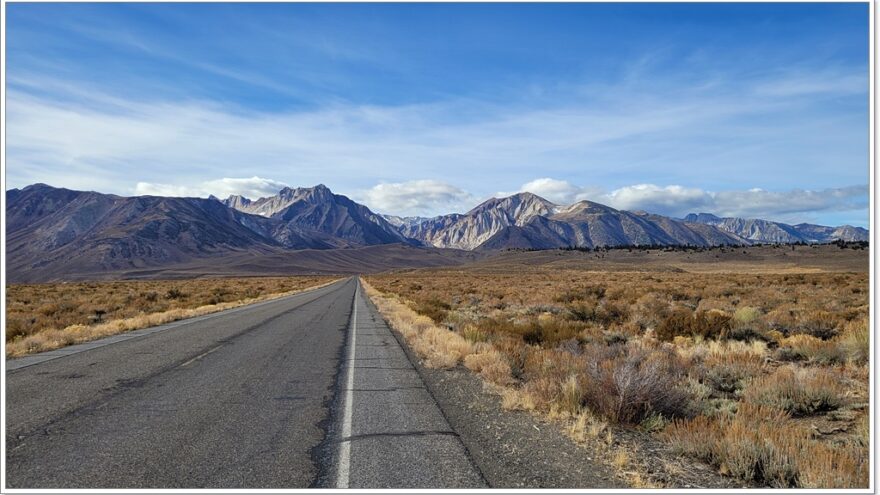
767,231
55,233
52,230
588,224
317,213
470,230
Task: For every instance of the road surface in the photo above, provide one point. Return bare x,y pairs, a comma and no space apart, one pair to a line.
311,390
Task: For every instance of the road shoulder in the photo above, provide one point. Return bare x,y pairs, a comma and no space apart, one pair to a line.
512,449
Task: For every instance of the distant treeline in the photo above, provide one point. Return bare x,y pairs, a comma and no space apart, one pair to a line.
688,248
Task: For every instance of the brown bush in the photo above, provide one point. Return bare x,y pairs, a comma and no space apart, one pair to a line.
797,391
434,309
825,466
761,444
726,374
802,347
628,387
684,322
821,324
570,343
855,341
491,365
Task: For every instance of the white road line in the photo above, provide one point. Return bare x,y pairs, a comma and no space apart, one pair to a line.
344,462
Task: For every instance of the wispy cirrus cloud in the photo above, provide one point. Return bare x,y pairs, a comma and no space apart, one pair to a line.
100,98
656,137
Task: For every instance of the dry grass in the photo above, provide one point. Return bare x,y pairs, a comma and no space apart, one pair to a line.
438,347
43,317
761,444
708,353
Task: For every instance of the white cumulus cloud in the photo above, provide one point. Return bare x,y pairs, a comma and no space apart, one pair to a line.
560,191
417,198
656,199
249,187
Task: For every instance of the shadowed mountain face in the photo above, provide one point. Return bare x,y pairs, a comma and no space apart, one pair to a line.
54,233
767,231
55,230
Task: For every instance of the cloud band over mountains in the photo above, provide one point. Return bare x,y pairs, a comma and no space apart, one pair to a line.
432,197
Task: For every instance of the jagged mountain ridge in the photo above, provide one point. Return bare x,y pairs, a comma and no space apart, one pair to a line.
588,224
477,226
525,220
54,229
317,212
767,231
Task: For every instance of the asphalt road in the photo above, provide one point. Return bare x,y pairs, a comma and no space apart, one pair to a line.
308,390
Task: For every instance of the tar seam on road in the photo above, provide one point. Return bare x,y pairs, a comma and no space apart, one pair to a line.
200,356
342,474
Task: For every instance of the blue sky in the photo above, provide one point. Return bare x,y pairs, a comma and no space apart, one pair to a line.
738,109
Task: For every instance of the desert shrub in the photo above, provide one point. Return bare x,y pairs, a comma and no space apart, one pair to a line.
586,425
473,334
746,333
434,309
820,324
570,396
606,312
630,386
698,437
726,371
653,423
761,444
649,310
855,341
546,330
826,466
53,315
747,446
582,311
594,292
515,353
491,365
802,347
615,338
676,324
17,327
710,324
800,392
174,293
610,313
746,315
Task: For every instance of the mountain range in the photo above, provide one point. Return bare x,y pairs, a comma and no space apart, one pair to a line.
54,232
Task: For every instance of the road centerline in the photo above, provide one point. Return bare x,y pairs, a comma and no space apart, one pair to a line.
344,461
